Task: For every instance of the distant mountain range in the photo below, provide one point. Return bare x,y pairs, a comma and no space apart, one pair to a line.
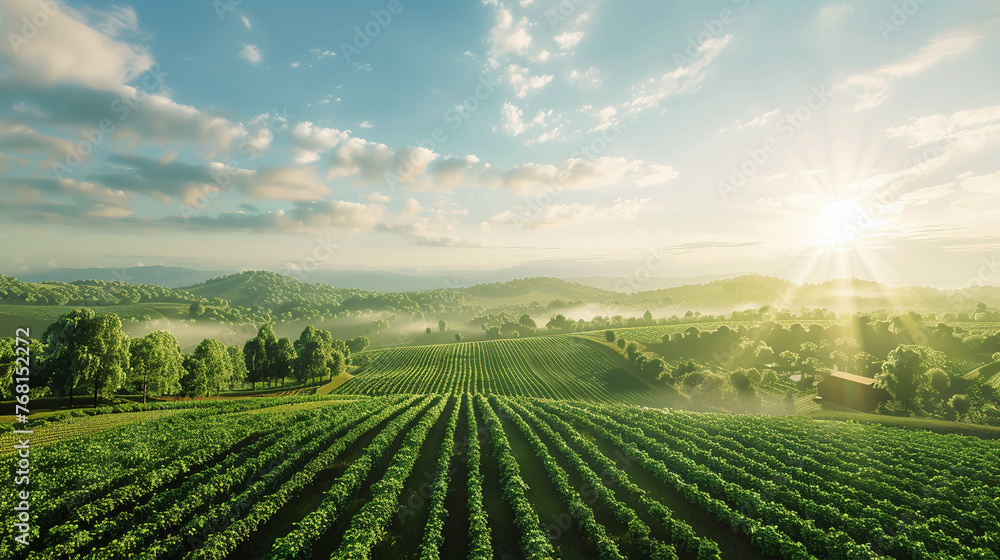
376,281
166,276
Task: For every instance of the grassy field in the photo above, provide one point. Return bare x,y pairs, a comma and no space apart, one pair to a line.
559,367
431,476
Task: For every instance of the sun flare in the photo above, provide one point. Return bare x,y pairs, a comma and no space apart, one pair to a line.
840,223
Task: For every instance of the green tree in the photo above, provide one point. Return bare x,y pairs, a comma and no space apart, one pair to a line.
10,367
867,364
311,362
207,369
238,364
442,325
337,363
63,351
197,309
609,336
102,355
257,355
905,372
526,321
961,404
358,344
764,354
940,381
647,317
788,358
156,363
458,337
428,330
283,359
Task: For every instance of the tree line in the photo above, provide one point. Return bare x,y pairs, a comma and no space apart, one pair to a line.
84,353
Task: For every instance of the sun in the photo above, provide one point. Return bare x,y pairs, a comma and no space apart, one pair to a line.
841,223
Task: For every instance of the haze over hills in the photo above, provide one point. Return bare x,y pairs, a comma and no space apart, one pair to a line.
166,276
250,288
404,280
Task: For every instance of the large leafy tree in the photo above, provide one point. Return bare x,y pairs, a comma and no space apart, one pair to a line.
87,352
905,372
10,367
257,356
311,362
207,369
319,354
312,354
105,357
156,363
282,358
239,367
62,352
358,344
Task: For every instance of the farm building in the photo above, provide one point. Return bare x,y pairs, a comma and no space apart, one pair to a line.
847,390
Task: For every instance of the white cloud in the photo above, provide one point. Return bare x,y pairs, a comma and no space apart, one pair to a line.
372,161
411,208
116,22
376,197
67,50
833,14
561,215
968,125
686,77
568,39
580,174
760,120
523,83
508,36
366,124
589,78
989,183
295,64
653,174
607,116
872,88
512,122
251,54
309,141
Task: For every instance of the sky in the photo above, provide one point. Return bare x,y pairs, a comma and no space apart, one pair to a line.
806,140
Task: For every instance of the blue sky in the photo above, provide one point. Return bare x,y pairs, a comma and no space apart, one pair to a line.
799,139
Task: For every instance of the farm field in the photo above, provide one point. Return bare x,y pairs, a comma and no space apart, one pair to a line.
463,476
555,367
